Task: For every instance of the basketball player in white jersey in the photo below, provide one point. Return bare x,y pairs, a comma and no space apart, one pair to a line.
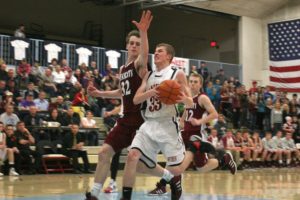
160,131
191,127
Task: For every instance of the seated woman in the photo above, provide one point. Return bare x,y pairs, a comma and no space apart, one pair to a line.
80,99
55,134
89,122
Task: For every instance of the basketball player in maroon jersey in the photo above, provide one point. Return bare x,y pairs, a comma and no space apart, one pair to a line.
191,122
131,75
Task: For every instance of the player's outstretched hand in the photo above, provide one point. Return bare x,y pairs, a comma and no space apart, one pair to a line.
183,98
92,91
145,21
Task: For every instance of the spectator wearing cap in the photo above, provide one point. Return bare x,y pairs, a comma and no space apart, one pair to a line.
9,117
220,76
26,103
7,100
67,86
254,88
31,90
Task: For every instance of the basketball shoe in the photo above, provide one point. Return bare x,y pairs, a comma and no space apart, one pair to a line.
176,188
159,190
112,187
229,162
12,172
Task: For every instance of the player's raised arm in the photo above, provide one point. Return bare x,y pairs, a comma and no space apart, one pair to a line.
143,26
141,94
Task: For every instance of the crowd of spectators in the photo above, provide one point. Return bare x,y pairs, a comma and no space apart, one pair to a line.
257,125
32,97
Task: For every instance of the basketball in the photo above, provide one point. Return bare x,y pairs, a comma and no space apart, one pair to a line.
168,92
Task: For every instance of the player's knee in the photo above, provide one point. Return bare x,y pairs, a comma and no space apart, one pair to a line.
133,156
104,154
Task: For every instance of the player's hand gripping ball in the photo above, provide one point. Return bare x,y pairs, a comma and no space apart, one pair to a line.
169,92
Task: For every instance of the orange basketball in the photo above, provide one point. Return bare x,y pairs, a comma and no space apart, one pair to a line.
169,91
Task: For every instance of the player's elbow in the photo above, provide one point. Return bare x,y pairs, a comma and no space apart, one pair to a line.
136,100
215,115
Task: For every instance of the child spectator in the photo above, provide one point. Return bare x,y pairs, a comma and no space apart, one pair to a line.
290,147
258,147
270,153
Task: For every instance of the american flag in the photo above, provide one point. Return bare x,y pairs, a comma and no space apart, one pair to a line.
284,55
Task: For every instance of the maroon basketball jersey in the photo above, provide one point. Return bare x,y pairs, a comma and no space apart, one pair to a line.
130,81
195,112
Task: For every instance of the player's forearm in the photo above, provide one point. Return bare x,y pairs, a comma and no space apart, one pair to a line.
110,94
210,117
115,111
144,48
141,97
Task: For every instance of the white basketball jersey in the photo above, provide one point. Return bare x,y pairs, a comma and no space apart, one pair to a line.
155,108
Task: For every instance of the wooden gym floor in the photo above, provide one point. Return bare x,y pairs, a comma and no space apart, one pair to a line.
258,184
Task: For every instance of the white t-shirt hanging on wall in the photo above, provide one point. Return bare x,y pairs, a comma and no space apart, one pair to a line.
19,49
113,58
83,55
52,51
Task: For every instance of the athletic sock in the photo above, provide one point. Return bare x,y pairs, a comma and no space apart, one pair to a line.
166,177
96,189
127,191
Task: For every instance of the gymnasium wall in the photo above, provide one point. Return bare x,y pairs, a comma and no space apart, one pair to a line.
65,20
253,51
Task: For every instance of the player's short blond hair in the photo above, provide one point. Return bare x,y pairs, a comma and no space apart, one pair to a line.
169,48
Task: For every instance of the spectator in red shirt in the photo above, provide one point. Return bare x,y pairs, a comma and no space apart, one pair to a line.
23,69
23,72
81,99
254,88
